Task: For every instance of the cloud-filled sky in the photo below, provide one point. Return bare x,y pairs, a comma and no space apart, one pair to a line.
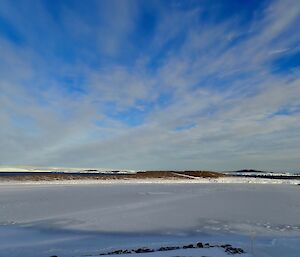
150,84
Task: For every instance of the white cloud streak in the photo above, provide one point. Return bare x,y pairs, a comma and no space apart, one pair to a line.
219,80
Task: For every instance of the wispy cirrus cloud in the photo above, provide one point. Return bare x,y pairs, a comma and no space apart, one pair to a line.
150,85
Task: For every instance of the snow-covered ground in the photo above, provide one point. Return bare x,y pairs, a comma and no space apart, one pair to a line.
65,170
40,220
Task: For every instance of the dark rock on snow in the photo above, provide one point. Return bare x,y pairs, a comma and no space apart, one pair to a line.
188,246
144,250
199,245
227,248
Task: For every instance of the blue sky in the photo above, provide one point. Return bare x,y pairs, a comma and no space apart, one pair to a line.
150,84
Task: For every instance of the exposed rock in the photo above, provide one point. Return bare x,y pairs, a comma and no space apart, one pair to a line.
188,246
168,248
117,252
232,250
199,245
144,250
226,246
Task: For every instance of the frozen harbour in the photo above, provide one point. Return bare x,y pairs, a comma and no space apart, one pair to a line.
89,219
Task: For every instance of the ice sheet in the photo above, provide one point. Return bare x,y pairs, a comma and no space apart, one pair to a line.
82,219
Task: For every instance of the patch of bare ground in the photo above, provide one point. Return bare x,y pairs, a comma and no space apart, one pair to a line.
139,175
204,174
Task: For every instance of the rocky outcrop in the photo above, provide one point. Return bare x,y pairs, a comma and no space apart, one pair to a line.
229,249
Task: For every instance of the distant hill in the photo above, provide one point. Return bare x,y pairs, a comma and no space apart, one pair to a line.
250,171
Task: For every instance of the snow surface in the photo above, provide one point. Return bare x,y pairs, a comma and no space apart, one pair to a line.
77,220
65,170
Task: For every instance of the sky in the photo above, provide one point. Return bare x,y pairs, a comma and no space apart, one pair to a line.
208,84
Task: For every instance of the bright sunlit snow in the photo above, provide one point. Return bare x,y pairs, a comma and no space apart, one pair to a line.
73,220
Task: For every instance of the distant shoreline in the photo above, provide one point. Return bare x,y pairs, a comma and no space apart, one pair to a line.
145,177
40,176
